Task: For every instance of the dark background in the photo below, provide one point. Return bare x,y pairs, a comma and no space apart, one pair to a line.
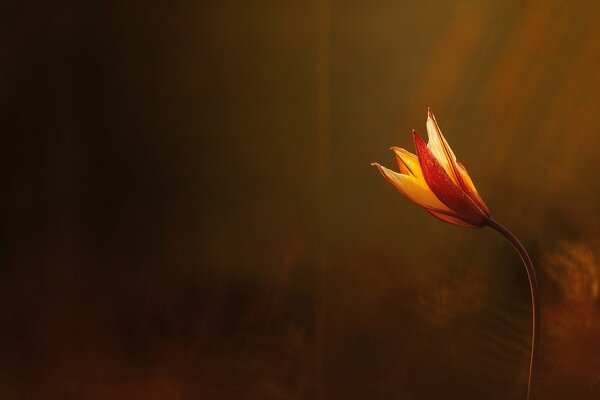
188,210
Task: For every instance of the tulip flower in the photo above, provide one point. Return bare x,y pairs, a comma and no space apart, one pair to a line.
438,182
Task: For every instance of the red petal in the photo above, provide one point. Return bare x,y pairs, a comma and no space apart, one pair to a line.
442,186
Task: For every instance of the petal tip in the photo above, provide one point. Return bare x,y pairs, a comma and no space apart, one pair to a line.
416,137
430,115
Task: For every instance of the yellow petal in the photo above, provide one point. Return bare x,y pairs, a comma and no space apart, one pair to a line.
410,160
440,148
415,189
469,188
455,170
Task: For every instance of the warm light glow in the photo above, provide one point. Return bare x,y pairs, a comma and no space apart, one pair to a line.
436,180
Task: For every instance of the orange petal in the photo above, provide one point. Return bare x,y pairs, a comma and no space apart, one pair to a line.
404,170
445,156
408,160
413,188
452,219
445,190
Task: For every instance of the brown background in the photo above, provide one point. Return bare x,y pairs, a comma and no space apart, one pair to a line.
188,210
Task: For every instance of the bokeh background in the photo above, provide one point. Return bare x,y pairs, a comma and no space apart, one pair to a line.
188,210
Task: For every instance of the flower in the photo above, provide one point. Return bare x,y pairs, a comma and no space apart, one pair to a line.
437,181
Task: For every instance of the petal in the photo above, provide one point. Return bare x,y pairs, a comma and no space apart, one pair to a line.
409,160
445,156
439,147
413,188
452,219
469,188
404,170
445,190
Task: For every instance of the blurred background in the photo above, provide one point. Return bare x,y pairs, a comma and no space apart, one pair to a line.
188,210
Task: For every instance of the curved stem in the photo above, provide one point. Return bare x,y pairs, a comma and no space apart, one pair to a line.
533,287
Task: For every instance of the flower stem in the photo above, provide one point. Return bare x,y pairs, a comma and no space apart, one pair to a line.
533,287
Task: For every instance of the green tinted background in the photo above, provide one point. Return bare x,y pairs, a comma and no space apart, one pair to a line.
188,210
